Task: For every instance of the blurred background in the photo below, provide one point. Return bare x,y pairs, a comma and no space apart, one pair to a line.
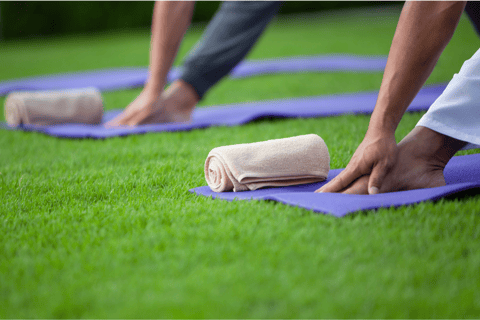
33,19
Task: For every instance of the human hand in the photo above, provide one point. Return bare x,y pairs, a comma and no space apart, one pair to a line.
375,156
176,104
140,111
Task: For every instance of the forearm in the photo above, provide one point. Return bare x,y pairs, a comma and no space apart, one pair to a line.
423,31
169,24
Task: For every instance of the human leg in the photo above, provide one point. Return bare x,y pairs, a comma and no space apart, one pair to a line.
456,113
229,36
233,31
473,11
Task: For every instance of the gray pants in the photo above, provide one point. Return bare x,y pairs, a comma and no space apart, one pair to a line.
229,36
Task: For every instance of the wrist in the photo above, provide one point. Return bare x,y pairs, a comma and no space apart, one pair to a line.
381,129
383,123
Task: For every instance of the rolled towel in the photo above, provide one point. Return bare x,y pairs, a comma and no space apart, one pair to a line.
54,107
272,163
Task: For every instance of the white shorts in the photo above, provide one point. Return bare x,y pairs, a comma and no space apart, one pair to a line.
456,113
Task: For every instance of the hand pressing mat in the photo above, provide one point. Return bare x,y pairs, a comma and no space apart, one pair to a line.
124,78
238,114
461,173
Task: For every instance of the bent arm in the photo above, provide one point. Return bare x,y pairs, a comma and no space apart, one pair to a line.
169,24
423,31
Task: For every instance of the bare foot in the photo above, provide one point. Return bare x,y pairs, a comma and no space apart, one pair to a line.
176,104
423,155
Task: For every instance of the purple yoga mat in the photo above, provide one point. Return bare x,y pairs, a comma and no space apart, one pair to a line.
237,114
462,173
123,78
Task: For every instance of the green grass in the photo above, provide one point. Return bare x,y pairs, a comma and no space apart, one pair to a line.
107,228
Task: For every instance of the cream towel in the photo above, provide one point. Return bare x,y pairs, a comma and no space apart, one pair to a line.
272,163
54,107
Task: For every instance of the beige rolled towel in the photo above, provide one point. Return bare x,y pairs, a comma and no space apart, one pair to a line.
54,107
272,163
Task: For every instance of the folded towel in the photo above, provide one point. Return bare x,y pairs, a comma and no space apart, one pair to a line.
54,107
272,163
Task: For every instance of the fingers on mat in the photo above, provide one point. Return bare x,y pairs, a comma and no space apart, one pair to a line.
376,179
341,181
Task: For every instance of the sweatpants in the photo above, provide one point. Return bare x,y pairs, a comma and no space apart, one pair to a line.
232,32
229,36
473,11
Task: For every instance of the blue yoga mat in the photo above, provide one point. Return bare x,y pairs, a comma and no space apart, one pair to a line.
238,114
461,173
124,78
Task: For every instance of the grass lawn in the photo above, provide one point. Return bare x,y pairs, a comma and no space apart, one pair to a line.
107,228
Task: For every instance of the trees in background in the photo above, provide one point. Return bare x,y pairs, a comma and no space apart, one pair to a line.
44,18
